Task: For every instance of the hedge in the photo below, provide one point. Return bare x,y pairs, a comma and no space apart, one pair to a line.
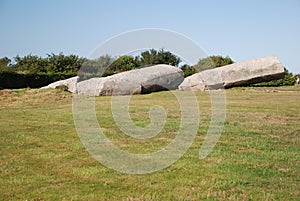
15,80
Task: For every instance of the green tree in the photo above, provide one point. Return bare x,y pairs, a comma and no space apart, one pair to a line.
123,63
51,64
153,57
63,64
188,70
30,64
96,66
212,62
5,62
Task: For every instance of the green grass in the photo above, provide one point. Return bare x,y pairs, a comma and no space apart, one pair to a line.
257,156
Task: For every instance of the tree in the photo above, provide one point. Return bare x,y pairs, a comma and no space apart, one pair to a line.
188,70
96,66
30,64
5,62
63,64
123,63
212,62
153,57
51,64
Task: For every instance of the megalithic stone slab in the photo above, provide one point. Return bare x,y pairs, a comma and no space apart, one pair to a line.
237,74
70,83
144,80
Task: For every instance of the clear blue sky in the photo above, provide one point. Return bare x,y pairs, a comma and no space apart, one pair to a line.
239,29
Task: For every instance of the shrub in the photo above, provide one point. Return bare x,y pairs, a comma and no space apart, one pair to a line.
188,70
212,62
15,80
62,87
288,80
153,57
123,63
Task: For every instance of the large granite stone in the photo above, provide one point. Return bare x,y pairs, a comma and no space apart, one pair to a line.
237,74
144,80
70,83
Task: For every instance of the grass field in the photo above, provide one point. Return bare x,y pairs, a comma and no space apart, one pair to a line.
257,156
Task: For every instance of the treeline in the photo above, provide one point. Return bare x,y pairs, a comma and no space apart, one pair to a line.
107,65
34,71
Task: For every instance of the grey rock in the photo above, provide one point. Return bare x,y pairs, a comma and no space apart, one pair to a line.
297,79
237,74
193,83
139,81
70,83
